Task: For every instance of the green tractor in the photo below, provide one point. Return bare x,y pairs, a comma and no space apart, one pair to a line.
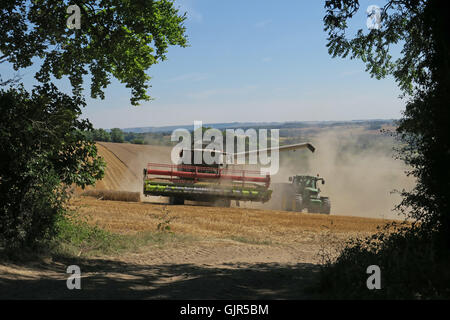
303,193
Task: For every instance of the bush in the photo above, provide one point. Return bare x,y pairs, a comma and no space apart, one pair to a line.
43,150
138,141
411,264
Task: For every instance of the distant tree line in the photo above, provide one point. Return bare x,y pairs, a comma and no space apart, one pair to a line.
119,136
290,134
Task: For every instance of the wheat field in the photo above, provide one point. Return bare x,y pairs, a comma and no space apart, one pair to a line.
253,225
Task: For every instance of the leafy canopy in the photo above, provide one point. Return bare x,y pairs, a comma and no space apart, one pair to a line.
414,259
423,73
400,24
119,38
45,147
43,153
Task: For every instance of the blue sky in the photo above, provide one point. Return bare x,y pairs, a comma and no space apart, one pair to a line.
252,60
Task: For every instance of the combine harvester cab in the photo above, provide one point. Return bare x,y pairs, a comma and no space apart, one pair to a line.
205,184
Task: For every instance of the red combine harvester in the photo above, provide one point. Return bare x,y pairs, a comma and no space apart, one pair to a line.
216,183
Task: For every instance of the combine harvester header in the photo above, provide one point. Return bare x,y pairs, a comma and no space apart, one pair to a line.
197,183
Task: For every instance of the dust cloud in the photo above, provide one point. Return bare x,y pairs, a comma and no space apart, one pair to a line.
128,163
359,170
357,165
145,154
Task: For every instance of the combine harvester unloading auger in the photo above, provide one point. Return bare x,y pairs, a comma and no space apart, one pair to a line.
217,183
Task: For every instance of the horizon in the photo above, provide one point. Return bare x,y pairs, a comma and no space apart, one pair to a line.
256,123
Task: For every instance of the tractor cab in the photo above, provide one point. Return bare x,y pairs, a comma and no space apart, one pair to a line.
305,193
309,183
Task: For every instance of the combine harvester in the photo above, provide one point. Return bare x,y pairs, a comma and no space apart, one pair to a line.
217,184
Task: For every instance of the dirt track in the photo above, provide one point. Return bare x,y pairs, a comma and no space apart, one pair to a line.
211,270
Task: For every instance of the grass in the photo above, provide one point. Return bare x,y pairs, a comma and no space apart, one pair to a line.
76,237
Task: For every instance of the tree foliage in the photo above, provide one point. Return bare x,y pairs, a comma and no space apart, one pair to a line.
422,71
101,135
117,135
414,260
118,38
43,152
44,146
400,25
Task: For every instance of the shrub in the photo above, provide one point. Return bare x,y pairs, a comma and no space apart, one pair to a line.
411,264
43,150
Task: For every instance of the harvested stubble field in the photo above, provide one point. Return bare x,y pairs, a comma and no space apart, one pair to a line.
214,253
244,224
250,225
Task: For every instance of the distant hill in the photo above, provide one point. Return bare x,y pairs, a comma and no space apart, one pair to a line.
245,125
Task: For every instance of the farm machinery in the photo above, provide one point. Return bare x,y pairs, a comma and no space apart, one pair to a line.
303,193
217,183
206,184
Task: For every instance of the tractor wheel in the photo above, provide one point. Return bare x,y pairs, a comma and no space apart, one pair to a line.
298,202
326,206
176,200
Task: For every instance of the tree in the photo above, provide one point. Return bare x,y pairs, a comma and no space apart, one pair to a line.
117,135
44,146
117,38
43,153
422,72
101,135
